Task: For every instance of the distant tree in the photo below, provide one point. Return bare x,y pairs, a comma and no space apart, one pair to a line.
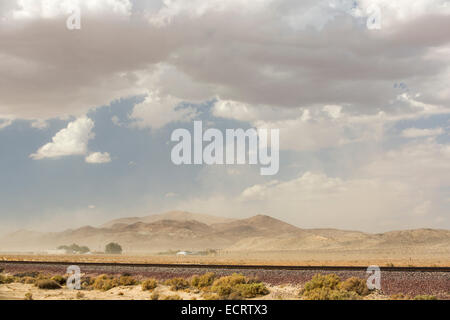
74,248
113,248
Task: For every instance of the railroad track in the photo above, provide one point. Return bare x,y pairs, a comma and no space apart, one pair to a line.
223,266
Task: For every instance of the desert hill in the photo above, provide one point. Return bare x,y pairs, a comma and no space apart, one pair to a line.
171,215
189,231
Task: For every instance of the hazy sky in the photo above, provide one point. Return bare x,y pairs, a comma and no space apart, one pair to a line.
364,113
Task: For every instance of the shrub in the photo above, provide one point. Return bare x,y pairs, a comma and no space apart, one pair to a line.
425,297
237,286
59,279
149,284
177,284
7,279
399,296
127,281
79,295
86,283
154,296
330,281
31,274
105,282
251,290
356,285
28,296
330,287
203,281
47,284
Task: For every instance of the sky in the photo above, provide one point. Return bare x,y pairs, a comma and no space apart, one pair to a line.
358,89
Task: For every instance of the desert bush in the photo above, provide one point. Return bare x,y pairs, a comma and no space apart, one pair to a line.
149,284
356,285
31,274
28,296
330,281
60,279
87,283
7,279
330,287
425,297
47,284
176,284
127,281
104,282
203,281
237,286
251,290
154,296
400,296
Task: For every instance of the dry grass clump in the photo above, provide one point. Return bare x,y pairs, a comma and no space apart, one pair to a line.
47,284
176,284
357,285
425,297
149,284
203,281
400,296
154,296
330,287
31,274
28,296
105,282
127,281
7,279
237,286
59,279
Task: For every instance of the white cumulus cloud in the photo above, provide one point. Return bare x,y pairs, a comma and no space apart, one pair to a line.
98,157
72,140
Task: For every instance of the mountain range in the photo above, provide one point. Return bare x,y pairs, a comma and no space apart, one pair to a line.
179,230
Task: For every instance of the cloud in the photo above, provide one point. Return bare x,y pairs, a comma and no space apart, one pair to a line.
156,111
5,123
418,133
39,124
98,157
72,140
278,53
